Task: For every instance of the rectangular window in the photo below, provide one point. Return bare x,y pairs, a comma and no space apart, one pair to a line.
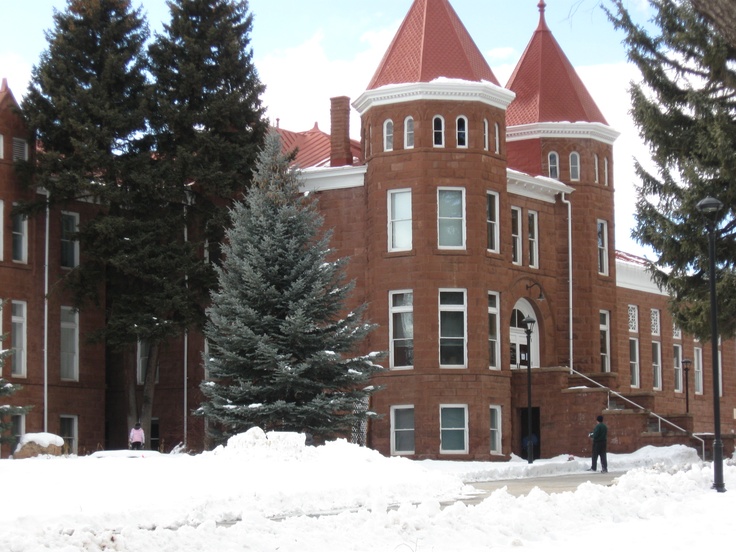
494,349
497,138
603,247
453,428
2,147
18,428
69,243
69,351
677,358
496,437
605,171
68,431
401,329
451,218
574,166
399,223
485,134
605,328
452,328
18,338
492,222
698,369
533,239
516,235
388,135
656,365
20,149
20,238
634,361
402,429
633,318
596,168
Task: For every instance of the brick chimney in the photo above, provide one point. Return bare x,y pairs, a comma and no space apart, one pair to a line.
340,152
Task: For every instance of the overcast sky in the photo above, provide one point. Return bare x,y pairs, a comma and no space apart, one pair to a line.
309,51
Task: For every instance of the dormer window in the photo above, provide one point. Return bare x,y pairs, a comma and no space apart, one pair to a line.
409,132
554,164
462,132
574,166
388,135
438,131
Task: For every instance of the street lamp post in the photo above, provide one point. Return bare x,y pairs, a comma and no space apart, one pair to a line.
710,206
529,328
686,362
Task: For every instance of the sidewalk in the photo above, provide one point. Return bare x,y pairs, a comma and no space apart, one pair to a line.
550,484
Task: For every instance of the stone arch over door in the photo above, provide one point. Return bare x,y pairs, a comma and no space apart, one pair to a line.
517,336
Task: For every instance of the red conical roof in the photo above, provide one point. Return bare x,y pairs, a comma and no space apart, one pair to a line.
546,85
431,42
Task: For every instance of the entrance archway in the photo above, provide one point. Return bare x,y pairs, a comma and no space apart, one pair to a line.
517,336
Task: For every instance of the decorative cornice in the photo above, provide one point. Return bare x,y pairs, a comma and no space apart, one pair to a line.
576,131
535,187
333,178
441,89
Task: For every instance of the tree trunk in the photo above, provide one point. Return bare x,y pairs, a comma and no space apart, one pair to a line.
149,386
131,376
722,14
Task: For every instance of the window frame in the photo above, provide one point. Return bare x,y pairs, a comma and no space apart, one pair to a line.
20,238
605,340
73,374
656,365
409,132
575,167
20,149
449,308
677,366
71,246
462,135
392,222
602,241
74,437
17,428
446,429
516,238
634,363
395,450
497,138
388,135
19,325
493,230
496,429
486,136
494,338
532,238
596,168
698,370
462,219
401,309
438,134
605,171
553,165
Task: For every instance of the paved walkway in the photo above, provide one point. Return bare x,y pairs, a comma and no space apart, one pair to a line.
550,484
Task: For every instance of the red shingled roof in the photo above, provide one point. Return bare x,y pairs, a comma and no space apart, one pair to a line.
314,146
431,42
547,87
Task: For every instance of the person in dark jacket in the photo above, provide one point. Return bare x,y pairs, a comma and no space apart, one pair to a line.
599,436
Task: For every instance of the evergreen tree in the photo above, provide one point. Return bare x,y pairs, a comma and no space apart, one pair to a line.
207,118
685,108
280,353
7,410
87,105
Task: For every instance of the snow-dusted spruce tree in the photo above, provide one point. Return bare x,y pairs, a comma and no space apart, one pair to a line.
280,346
7,411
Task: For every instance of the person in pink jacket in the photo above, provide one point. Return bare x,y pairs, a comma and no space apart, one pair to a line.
137,438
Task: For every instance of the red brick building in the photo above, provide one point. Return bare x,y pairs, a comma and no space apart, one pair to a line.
465,208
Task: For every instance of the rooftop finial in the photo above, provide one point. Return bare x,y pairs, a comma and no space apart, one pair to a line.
542,22
541,6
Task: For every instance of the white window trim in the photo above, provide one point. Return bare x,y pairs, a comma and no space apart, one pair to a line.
75,431
458,132
75,243
606,364
23,321
516,236
596,168
75,361
394,450
453,308
462,219
575,164
553,168
633,323
497,132
602,249
391,311
409,122
441,132
635,364
499,430
465,429
388,135
497,312
677,356
533,239
657,366
2,147
390,196
486,137
24,244
493,223
605,171
698,370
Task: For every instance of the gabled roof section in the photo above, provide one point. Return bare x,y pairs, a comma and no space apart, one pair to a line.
6,95
313,147
547,87
431,43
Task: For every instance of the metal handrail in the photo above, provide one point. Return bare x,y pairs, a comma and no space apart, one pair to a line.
659,418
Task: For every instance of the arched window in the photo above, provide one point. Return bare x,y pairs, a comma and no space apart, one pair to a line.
605,171
517,336
497,138
554,164
438,130
485,134
574,166
388,135
409,132
596,168
462,131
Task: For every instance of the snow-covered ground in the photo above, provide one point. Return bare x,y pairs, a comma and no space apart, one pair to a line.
270,492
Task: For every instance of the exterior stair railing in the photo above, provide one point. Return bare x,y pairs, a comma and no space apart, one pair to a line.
659,418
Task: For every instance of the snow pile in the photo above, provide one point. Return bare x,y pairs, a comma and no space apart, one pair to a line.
267,492
41,439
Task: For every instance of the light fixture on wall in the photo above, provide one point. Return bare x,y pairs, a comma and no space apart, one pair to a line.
536,284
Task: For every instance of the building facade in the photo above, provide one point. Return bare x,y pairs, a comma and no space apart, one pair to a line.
467,209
